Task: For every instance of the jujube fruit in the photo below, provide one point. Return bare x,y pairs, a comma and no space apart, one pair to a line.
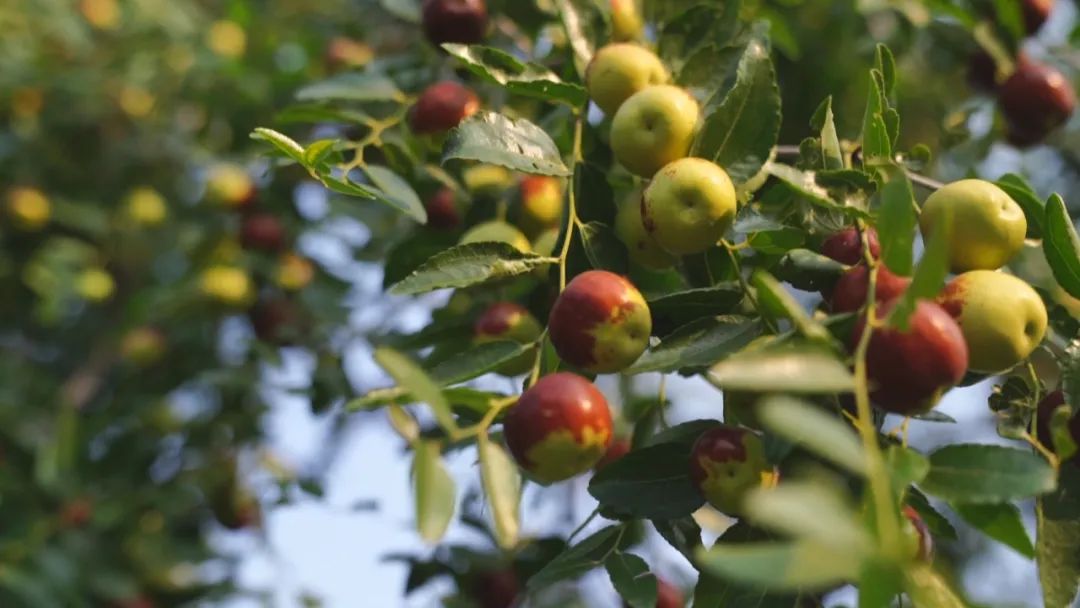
988,227
846,246
600,322
230,186
262,231
688,206
29,208
559,428
652,128
619,70
460,21
497,231
513,322
495,588
541,200
441,107
620,446
849,293
910,370
1002,318
1045,411
1035,12
918,535
442,211
1035,99
630,228
626,23
726,463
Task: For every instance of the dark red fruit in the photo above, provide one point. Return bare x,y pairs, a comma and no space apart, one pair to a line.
921,533
262,232
618,448
441,107
1047,406
849,294
846,246
1036,12
77,513
909,371
559,428
280,321
442,211
495,588
1035,100
668,595
461,21
982,72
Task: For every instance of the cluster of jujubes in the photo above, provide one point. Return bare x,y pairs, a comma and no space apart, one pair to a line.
984,320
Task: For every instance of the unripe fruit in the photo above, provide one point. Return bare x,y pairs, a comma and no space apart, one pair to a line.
230,186
294,272
486,181
1003,319
988,227
850,291
1035,100
226,39
909,370
509,321
652,128
626,23
146,207
143,345
461,21
263,232
1036,12
94,285
846,246
617,71
918,535
497,231
342,52
227,284
726,463
1046,409
441,107
545,244
600,322
442,212
630,228
541,203
620,446
688,206
29,208
559,428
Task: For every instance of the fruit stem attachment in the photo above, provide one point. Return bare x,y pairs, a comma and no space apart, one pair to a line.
731,251
1030,435
497,406
572,219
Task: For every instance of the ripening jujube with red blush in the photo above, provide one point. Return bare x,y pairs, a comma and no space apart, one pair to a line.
460,21
262,231
441,107
508,321
850,292
1036,99
910,370
917,535
442,211
726,463
846,246
560,427
1045,412
600,322
1035,13
541,203
620,446
667,595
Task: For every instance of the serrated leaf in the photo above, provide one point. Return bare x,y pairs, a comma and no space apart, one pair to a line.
886,64
412,379
678,308
604,250
396,191
698,344
631,578
283,143
804,185
811,428
351,86
578,559
469,264
999,521
1034,208
740,133
516,76
1062,246
651,482
478,360
502,485
824,122
896,221
495,139
876,142
434,491
783,370
973,473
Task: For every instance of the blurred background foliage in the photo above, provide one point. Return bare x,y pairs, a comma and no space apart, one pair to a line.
141,301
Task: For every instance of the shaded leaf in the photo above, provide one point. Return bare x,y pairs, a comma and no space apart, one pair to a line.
698,344
495,139
469,264
999,521
434,491
631,578
516,76
1062,246
651,482
973,473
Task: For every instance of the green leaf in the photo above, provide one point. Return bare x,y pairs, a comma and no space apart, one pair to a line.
803,184
773,297
783,370
880,582
317,151
906,466
283,143
411,378
578,559
740,133
434,491
1058,539
698,344
876,142
684,433
973,473
896,220
781,566
469,264
478,360
502,484
811,511
604,250
651,482
351,86
344,185
678,308
409,253
824,122
516,76
809,270
999,521
928,590
1034,208
930,275
886,65
574,15
683,534
808,426
1062,246
631,578
396,191
495,139
712,591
